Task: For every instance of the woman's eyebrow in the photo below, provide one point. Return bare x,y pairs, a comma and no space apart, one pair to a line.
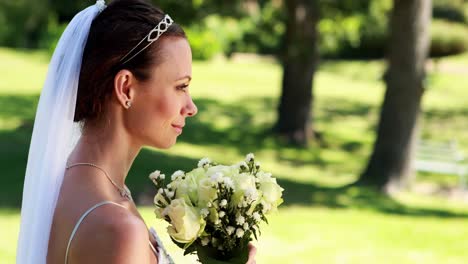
185,77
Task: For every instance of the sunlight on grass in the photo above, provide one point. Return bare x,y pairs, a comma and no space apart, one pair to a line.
321,221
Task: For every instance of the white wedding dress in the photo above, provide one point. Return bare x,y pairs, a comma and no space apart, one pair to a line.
159,251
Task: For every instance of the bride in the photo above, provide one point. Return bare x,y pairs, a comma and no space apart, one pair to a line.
118,80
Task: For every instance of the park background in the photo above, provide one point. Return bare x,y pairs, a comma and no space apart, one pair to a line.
241,50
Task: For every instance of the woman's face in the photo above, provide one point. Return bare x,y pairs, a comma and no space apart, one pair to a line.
161,104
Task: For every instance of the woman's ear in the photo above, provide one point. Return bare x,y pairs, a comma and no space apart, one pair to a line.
124,87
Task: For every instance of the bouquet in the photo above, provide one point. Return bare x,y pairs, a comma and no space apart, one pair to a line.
214,209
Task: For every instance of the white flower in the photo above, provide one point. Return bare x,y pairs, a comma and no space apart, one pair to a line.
239,232
222,214
186,224
223,203
169,186
266,207
246,226
257,164
249,157
203,162
230,230
160,199
170,194
160,191
154,175
204,212
177,174
240,220
271,194
257,216
217,177
209,204
228,182
205,192
251,194
205,241
162,176
242,165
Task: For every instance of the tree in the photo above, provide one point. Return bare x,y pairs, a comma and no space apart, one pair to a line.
299,63
390,165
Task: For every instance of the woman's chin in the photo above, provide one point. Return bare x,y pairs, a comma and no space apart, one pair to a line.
164,145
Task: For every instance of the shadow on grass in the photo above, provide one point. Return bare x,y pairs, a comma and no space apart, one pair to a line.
307,194
242,126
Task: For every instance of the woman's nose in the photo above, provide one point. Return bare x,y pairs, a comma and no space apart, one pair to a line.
191,108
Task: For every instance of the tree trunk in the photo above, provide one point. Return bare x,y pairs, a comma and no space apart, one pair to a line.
390,165
299,63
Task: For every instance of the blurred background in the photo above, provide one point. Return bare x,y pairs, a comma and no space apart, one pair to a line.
358,107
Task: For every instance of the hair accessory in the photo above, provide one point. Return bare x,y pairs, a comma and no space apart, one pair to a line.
101,5
152,36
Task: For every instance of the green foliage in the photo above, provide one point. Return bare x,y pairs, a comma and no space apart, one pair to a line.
51,36
451,10
23,22
263,29
204,42
448,38
237,104
355,34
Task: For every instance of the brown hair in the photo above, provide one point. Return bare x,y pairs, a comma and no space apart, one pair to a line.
113,33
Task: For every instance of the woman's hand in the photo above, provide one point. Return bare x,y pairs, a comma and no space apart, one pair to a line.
252,253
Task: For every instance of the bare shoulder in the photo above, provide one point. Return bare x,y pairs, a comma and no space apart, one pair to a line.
111,234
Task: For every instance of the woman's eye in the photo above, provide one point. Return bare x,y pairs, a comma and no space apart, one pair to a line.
183,87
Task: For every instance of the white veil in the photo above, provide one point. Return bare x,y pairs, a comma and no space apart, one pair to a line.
54,135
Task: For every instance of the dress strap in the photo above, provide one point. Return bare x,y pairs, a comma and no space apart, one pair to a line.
81,220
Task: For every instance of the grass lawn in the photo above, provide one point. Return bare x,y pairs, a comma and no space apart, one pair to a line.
321,221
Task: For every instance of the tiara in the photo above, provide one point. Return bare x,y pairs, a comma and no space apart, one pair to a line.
152,36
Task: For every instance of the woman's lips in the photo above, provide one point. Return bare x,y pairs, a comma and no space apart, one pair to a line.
178,129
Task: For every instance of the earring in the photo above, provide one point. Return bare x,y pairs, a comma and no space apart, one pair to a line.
128,104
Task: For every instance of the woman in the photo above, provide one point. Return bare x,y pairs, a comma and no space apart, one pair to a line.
134,74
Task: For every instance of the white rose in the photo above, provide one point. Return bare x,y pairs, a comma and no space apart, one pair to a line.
271,193
206,193
242,182
228,171
186,222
